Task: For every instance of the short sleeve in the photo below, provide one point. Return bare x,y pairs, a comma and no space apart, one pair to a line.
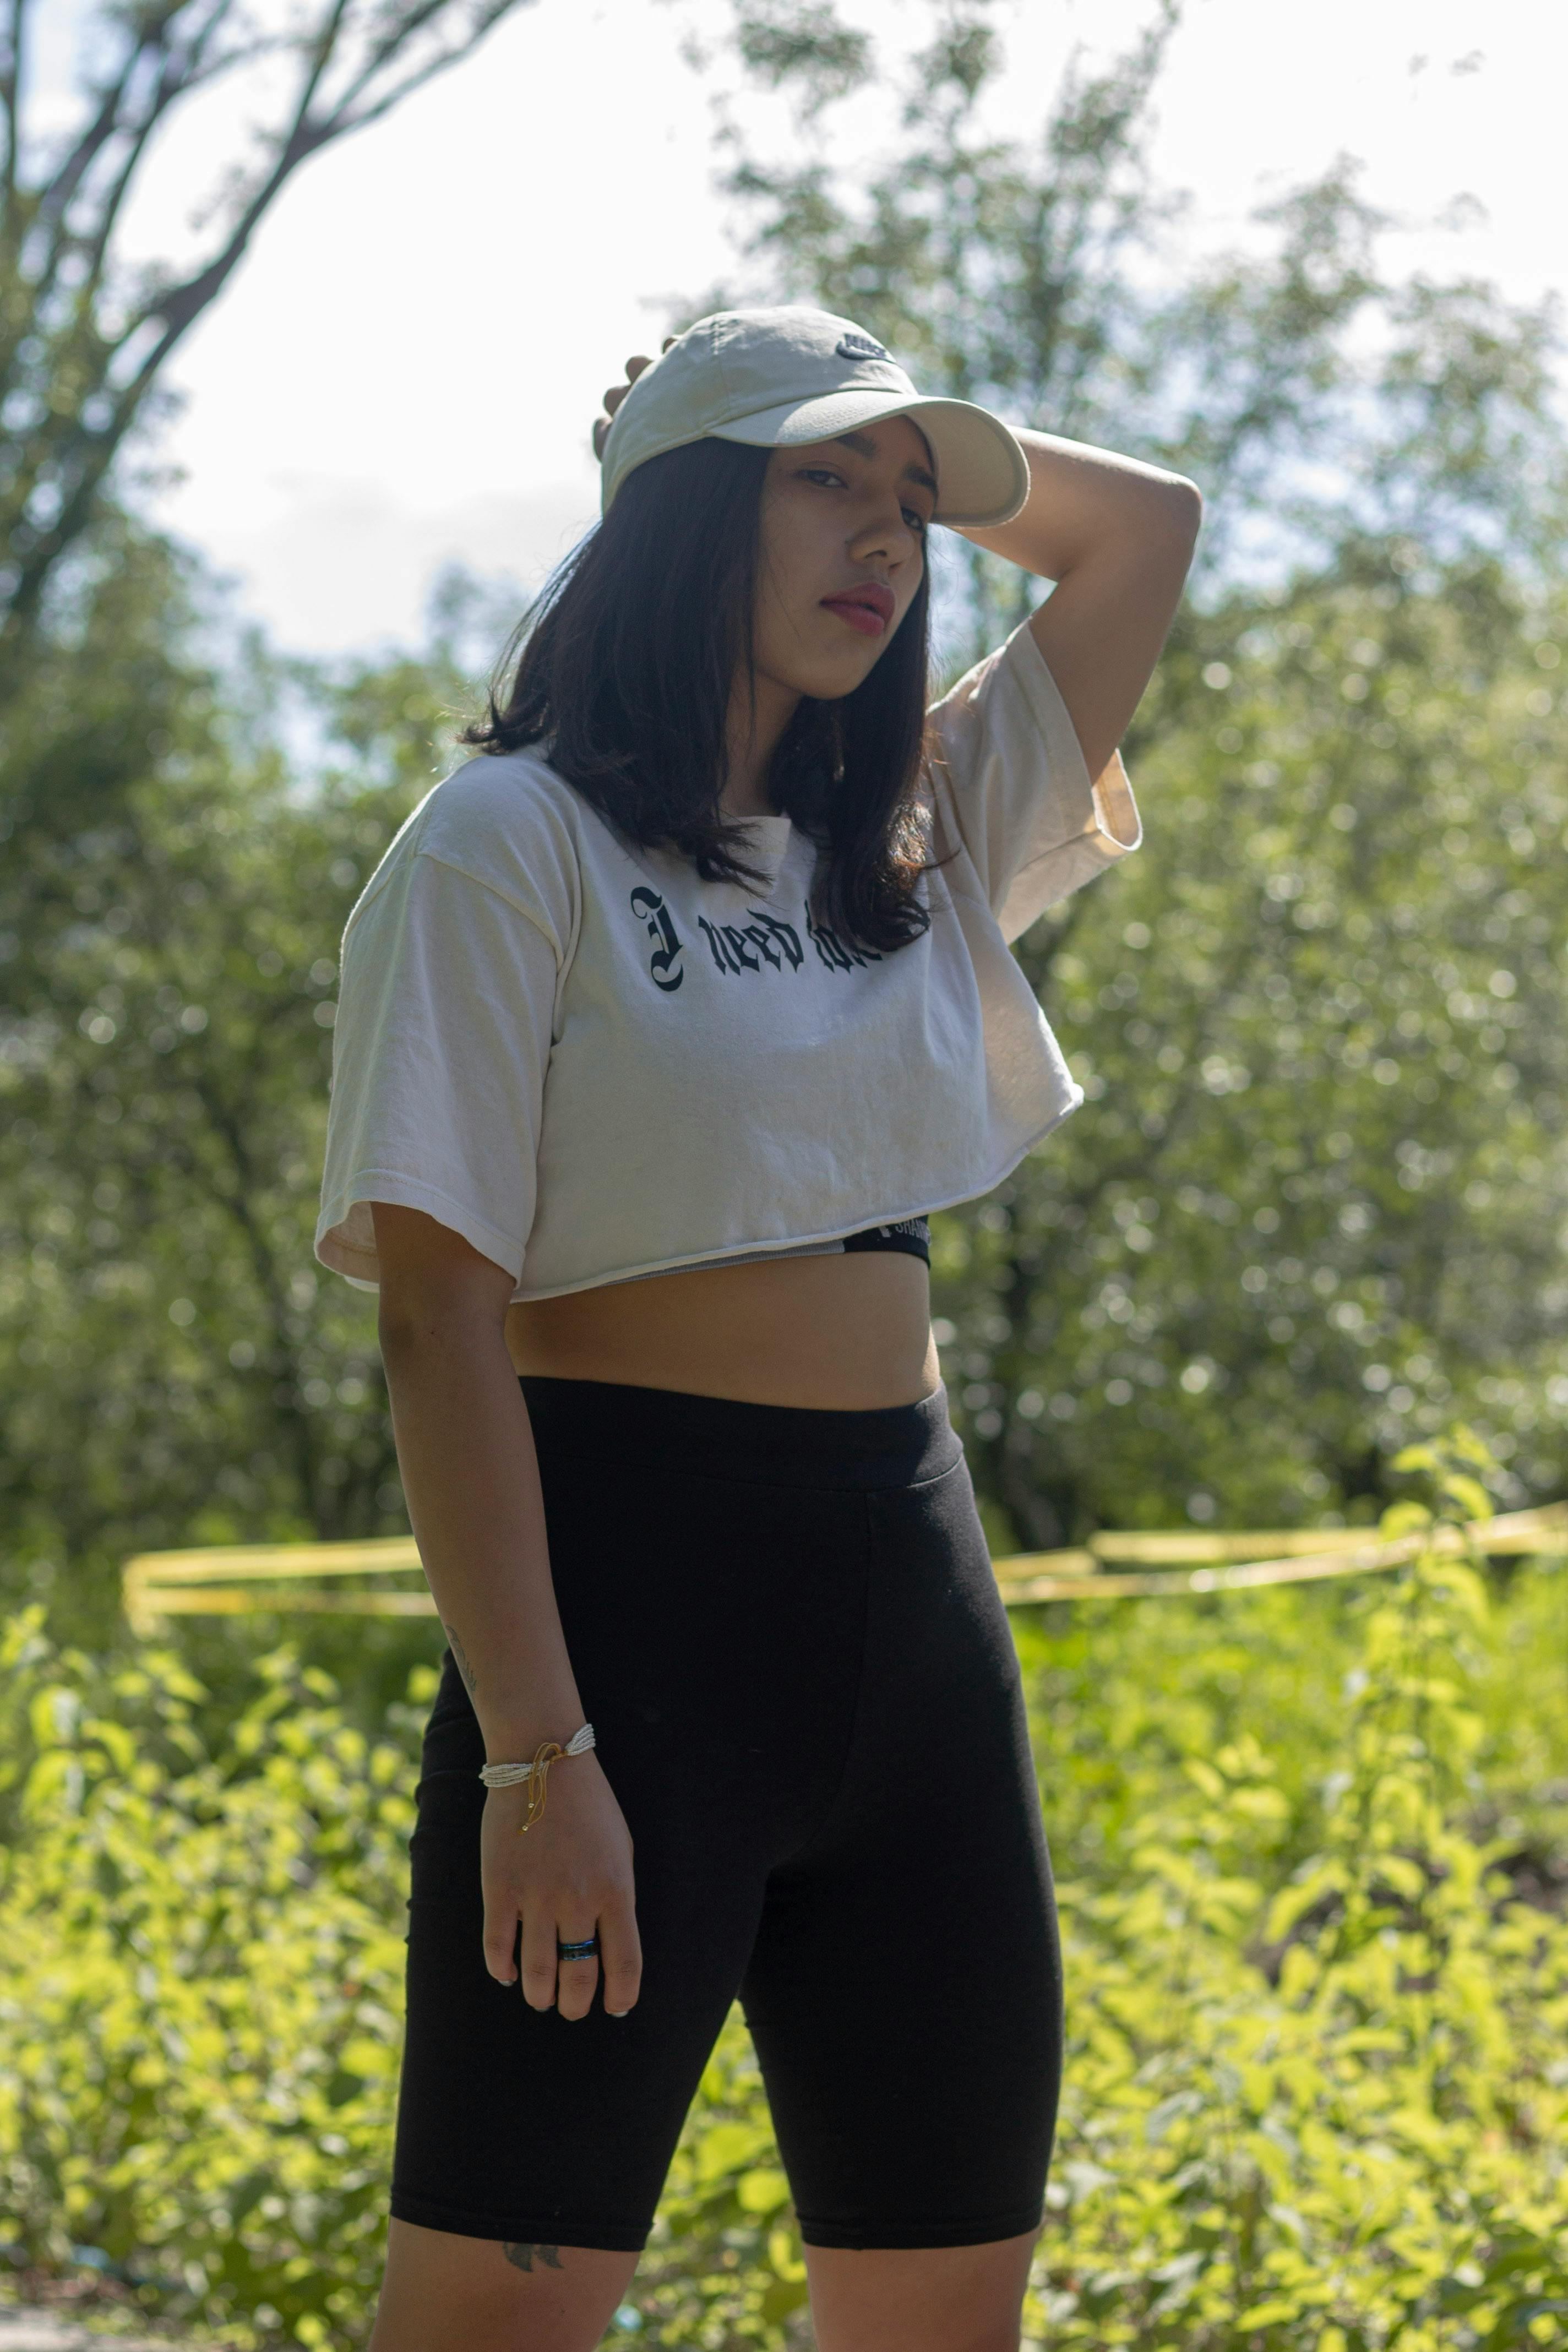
440,1052
1010,785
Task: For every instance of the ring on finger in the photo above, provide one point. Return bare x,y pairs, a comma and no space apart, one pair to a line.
583,1947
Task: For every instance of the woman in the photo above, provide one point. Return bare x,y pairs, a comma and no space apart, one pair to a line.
663,1028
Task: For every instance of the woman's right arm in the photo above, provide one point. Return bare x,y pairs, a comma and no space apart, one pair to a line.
465,1451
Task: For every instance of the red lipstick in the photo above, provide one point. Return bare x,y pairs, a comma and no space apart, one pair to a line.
870,608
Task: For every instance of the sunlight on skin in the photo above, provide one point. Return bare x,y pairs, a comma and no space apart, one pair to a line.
834,515
446,2291
919,2299
1115,534
837,516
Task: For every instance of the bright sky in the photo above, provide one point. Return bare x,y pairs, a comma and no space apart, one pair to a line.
405,369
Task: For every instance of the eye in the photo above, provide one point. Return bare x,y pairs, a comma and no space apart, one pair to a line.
916,520
823,473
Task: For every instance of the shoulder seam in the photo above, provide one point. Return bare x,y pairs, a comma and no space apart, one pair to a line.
495,891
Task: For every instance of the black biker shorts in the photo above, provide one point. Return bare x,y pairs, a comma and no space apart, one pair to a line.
789,1640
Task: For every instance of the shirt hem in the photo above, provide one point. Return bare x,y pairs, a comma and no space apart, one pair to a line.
803,1243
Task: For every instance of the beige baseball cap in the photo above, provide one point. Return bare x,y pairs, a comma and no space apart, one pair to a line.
782,378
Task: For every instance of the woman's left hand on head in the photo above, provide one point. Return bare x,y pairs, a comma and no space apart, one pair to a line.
617,393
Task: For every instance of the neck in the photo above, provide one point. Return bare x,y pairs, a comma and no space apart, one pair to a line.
754,731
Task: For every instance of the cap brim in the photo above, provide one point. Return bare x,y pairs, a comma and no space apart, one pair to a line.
983,475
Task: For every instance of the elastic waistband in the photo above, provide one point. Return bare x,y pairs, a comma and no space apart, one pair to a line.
746,1444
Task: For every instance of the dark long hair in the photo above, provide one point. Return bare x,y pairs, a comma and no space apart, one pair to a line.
623,670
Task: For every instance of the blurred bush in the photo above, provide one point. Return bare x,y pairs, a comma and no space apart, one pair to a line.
1312,1849
1318,2099
200,1985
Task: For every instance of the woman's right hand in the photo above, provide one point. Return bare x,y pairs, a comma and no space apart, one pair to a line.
568,1878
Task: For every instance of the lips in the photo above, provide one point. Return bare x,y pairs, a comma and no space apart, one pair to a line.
868,607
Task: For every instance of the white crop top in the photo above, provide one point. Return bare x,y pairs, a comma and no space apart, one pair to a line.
593,1065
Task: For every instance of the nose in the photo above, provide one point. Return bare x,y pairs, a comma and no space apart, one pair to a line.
885,537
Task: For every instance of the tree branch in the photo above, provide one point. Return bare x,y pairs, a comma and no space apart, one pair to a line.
343,121
401,31
236,1198
11,85
183,72
54,197
172,49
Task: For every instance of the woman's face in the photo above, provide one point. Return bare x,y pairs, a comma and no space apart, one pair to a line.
842,555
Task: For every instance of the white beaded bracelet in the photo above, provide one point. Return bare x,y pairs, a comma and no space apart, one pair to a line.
507,1776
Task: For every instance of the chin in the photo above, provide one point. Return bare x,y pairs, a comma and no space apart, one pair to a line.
833,689
830,681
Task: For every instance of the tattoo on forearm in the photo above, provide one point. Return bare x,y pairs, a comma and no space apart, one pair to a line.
470,1680
521,2257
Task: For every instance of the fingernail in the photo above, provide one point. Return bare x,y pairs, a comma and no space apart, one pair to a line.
619,2013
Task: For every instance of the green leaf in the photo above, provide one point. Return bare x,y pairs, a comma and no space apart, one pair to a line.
762,2191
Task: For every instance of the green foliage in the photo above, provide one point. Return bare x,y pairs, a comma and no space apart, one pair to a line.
170,1369
1318,401
200,1981
1315,1207
1316,2097
1311,1847
84,333
795,43
725,2267
1313,1844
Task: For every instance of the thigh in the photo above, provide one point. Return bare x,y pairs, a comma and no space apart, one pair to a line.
905,1989
930,2299
443,2293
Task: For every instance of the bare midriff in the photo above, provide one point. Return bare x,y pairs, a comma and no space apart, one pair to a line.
842,1334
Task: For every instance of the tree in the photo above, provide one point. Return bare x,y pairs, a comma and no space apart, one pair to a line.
170,1370
1317,1199
1318,403
1315,1205
83,339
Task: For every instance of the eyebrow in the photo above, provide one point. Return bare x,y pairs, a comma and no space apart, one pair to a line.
864,447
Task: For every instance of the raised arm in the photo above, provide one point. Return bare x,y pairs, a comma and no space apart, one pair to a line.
465,1451
1117,536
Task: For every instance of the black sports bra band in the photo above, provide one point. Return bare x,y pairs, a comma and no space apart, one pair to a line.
911,1236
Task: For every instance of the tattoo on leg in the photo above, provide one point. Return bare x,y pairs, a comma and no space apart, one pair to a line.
521,2257
470,1681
